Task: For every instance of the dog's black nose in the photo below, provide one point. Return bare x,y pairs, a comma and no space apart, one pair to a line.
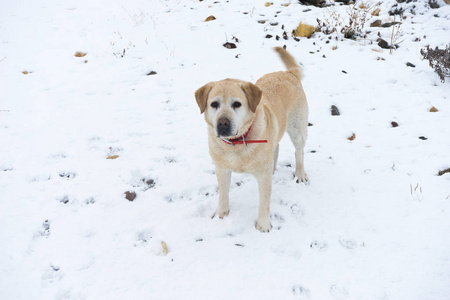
223,126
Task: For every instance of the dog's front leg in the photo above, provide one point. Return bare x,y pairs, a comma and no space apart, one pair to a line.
265,189
224,179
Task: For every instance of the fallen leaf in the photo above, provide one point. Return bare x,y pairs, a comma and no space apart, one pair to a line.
210,18
304,30
25,72
267,4
352,137
434,109
112,157
164,247
376,12
394,124
80,54
443,172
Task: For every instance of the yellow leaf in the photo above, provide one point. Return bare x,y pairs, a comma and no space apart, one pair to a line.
164,246
80,54
112,157
352,137
267,4
304,30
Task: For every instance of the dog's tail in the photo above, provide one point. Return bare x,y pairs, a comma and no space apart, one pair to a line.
290,62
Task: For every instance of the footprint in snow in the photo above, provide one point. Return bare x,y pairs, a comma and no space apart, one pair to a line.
301,292
44,231
52,275
349,243
67,175
318,245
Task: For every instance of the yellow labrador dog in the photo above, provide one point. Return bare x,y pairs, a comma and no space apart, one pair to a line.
246,122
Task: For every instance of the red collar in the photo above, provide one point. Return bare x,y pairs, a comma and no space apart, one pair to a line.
241,140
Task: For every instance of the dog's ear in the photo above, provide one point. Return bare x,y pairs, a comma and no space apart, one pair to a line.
253,94
201,95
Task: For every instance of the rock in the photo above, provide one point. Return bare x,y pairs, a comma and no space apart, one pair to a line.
433,4
269,36
304,30
389,24
383,44
433,109
151,73
377,23
423,138
410,65
130,195
210,18
150,183
394,124
229,45
335,111
318,3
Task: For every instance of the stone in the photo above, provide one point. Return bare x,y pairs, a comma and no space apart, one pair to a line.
130,195
377,23
334,111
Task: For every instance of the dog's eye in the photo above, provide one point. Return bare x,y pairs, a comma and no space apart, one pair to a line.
236,104
215,104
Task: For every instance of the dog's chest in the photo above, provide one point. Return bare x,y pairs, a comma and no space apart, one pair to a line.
245,159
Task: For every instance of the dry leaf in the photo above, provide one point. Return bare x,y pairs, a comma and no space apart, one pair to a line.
25,72
80,54
352,137
286,4
376,12
112,157
434,109
210,18
164,247
267,4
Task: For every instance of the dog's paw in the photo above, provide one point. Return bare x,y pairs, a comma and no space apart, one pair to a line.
263,225
222,213
302,178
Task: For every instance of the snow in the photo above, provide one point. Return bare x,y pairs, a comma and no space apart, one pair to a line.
373,222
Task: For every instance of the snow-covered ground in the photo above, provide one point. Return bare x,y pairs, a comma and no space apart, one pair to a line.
373,223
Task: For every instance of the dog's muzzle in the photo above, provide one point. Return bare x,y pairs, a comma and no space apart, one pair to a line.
223,127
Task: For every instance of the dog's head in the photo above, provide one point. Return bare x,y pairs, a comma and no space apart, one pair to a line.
228,105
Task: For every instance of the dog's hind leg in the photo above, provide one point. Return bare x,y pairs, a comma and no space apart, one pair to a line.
224,179
297,130
275,157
